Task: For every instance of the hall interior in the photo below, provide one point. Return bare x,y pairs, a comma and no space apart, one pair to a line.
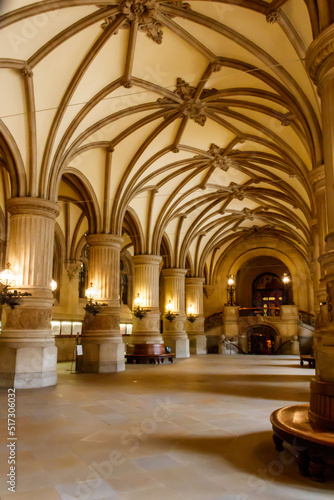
167,193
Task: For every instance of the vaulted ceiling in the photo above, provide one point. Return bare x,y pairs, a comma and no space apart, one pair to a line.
192,125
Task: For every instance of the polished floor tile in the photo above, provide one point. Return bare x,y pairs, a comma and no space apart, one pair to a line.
197,429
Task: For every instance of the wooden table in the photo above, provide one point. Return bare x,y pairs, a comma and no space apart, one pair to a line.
314,449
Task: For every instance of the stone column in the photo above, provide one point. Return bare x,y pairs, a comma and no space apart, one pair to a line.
103,348
320,64
195,329
175,335
28,356
317,178
146,330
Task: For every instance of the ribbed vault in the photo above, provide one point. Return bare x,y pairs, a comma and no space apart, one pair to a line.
189,126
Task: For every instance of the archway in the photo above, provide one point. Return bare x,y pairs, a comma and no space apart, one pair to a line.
261,339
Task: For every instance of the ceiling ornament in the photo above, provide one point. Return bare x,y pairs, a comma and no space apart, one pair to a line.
273,17
143,12
219,159
190,107
236,191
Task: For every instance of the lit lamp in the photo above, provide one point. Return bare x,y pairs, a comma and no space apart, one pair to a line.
286,282
191,313
53,285
138,309
8,279
92,306
170,314
230,290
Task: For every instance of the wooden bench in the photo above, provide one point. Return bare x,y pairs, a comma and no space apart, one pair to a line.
313,448
148,353
307,358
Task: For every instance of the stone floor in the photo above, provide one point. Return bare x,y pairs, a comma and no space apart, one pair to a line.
197,429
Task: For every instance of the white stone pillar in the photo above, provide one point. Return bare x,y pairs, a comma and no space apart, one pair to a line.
320,64
103,348
175,335
28,356
195,329
146,330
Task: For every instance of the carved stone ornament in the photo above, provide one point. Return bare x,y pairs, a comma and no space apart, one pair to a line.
141,11
330,300
24,318
101,322
208,290
219,159
72,267
147,324
273,17
194,109
236,191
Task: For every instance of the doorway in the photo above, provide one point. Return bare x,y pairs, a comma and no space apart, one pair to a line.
261,340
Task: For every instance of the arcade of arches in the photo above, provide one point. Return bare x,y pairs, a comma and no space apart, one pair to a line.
157,147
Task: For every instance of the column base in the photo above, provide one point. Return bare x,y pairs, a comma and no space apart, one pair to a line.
28,367
178,345
197,344
102,355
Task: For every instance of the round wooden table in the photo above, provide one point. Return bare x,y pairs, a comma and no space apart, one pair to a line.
314,448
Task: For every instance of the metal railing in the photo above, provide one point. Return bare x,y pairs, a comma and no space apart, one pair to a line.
213,320
306,318
262,311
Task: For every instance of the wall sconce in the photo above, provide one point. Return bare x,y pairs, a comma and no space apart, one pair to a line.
138,309
191,314
286,283
170,314
53,285
230,290
92,306
7,279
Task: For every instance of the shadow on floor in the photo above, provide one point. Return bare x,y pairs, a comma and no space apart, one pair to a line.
253,454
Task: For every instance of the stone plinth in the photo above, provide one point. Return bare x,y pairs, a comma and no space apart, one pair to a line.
175,336
103,347
28,356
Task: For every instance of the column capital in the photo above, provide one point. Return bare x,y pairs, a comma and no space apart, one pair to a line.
104,240
319,53
33,206
174,271
195,281
146,259
317,177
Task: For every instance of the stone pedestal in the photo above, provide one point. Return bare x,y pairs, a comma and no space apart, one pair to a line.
195,329
230,321
103,348
175,335
28,356
146,330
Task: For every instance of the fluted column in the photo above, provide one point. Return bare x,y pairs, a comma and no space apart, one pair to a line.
195,329
146,330
320,64
103,348
28,356
317,178
175,335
